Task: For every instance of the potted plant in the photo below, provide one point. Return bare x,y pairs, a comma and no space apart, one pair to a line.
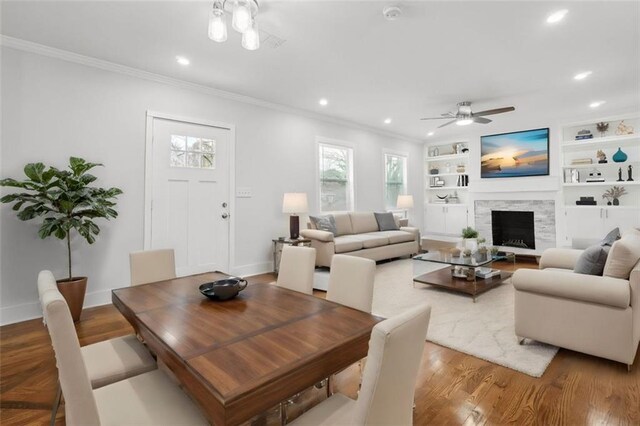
482,247
67,202
470,237
614,193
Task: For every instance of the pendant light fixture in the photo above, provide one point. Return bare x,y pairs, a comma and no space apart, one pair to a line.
217,24
251,37
243,14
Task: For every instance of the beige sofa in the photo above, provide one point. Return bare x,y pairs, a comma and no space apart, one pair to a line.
597,315
358,235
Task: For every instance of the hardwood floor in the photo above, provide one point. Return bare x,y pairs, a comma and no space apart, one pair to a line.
452,388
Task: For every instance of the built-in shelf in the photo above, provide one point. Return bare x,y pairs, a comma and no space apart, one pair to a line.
447,187
447,174
609,183
591,166
603,206
447,157
589,144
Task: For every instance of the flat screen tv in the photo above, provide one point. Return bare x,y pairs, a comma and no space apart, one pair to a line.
515,154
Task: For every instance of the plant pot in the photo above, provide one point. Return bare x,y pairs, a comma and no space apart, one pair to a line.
73,291
471,244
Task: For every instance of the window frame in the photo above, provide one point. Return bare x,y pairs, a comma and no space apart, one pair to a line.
405,158
351,193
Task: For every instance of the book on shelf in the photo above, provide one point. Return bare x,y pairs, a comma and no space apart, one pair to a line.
579,161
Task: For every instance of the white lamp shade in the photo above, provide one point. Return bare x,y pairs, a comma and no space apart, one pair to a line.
405,201
295,202
251,38
217,27
241,19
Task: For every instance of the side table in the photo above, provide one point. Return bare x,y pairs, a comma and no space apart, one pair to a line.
278,244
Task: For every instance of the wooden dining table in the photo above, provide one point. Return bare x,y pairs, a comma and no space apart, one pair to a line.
241,357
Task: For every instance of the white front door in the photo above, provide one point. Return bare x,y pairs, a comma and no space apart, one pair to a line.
190,194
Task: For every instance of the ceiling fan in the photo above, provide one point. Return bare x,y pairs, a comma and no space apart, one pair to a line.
464,116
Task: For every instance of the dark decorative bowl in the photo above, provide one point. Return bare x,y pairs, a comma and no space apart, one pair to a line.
223,289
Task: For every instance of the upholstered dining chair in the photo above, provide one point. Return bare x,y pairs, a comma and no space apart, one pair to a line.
108,361
149,266
296,269
351,281
146,399
388,384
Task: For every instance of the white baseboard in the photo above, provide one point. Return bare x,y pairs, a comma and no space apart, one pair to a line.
252,269
27,311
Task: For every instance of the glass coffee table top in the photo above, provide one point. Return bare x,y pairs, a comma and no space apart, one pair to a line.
475,260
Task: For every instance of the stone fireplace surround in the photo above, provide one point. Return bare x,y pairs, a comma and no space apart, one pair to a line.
544,219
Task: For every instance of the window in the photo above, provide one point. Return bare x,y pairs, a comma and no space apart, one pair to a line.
336,178
395,179
187,151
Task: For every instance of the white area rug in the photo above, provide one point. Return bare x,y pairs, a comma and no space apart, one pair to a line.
484,329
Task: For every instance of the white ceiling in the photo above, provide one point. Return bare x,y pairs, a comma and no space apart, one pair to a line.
439,53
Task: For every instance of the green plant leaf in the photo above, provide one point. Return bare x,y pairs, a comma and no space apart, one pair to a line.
34,171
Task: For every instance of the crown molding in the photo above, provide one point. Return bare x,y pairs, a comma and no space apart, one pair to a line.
65,55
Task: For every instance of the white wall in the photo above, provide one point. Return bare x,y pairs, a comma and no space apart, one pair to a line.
52,109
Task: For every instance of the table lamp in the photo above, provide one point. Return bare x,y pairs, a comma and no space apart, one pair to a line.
405,202
294,203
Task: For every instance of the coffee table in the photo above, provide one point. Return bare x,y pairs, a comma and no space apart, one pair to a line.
461,276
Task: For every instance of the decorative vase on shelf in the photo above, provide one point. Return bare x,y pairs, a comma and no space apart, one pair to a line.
616,202
619,156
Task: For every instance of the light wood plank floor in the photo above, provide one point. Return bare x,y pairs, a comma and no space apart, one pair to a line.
452,388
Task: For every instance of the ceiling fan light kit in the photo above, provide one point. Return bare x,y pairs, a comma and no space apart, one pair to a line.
465,116
243,20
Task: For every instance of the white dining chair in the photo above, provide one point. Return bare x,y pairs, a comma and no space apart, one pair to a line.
108,361
351,281
296,269
389,380
146,399
150,266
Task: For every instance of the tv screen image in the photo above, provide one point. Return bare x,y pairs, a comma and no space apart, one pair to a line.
515,154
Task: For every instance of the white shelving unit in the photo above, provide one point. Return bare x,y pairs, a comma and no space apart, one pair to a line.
445,218
594,221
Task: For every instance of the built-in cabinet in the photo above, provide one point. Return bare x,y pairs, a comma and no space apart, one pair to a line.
580,163
594,222
445,218
446,179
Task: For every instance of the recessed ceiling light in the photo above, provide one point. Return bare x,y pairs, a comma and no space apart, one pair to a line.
182,60
596,104
464,121
557,16
323,102
387,121
430,134
582,75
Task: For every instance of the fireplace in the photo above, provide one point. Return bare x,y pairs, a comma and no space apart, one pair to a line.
513,229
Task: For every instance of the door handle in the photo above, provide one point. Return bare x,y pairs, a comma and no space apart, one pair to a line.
225,215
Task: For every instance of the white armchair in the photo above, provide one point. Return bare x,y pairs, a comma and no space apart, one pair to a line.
597,315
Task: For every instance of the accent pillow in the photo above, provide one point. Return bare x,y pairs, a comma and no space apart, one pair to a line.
386,222
611,238
592,260
324,223
623,256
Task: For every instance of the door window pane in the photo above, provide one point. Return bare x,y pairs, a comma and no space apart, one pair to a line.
336,178
188,151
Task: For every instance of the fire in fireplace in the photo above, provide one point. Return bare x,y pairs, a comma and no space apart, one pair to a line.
513,229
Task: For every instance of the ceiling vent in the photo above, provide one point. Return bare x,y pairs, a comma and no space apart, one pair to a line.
270,40
391,13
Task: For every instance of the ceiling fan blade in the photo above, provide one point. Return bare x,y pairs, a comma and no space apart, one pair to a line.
481,120
435,118
494,111
446,124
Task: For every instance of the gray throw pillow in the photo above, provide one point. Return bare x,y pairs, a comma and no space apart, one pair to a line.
324,223
611,238
386,222
592,260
